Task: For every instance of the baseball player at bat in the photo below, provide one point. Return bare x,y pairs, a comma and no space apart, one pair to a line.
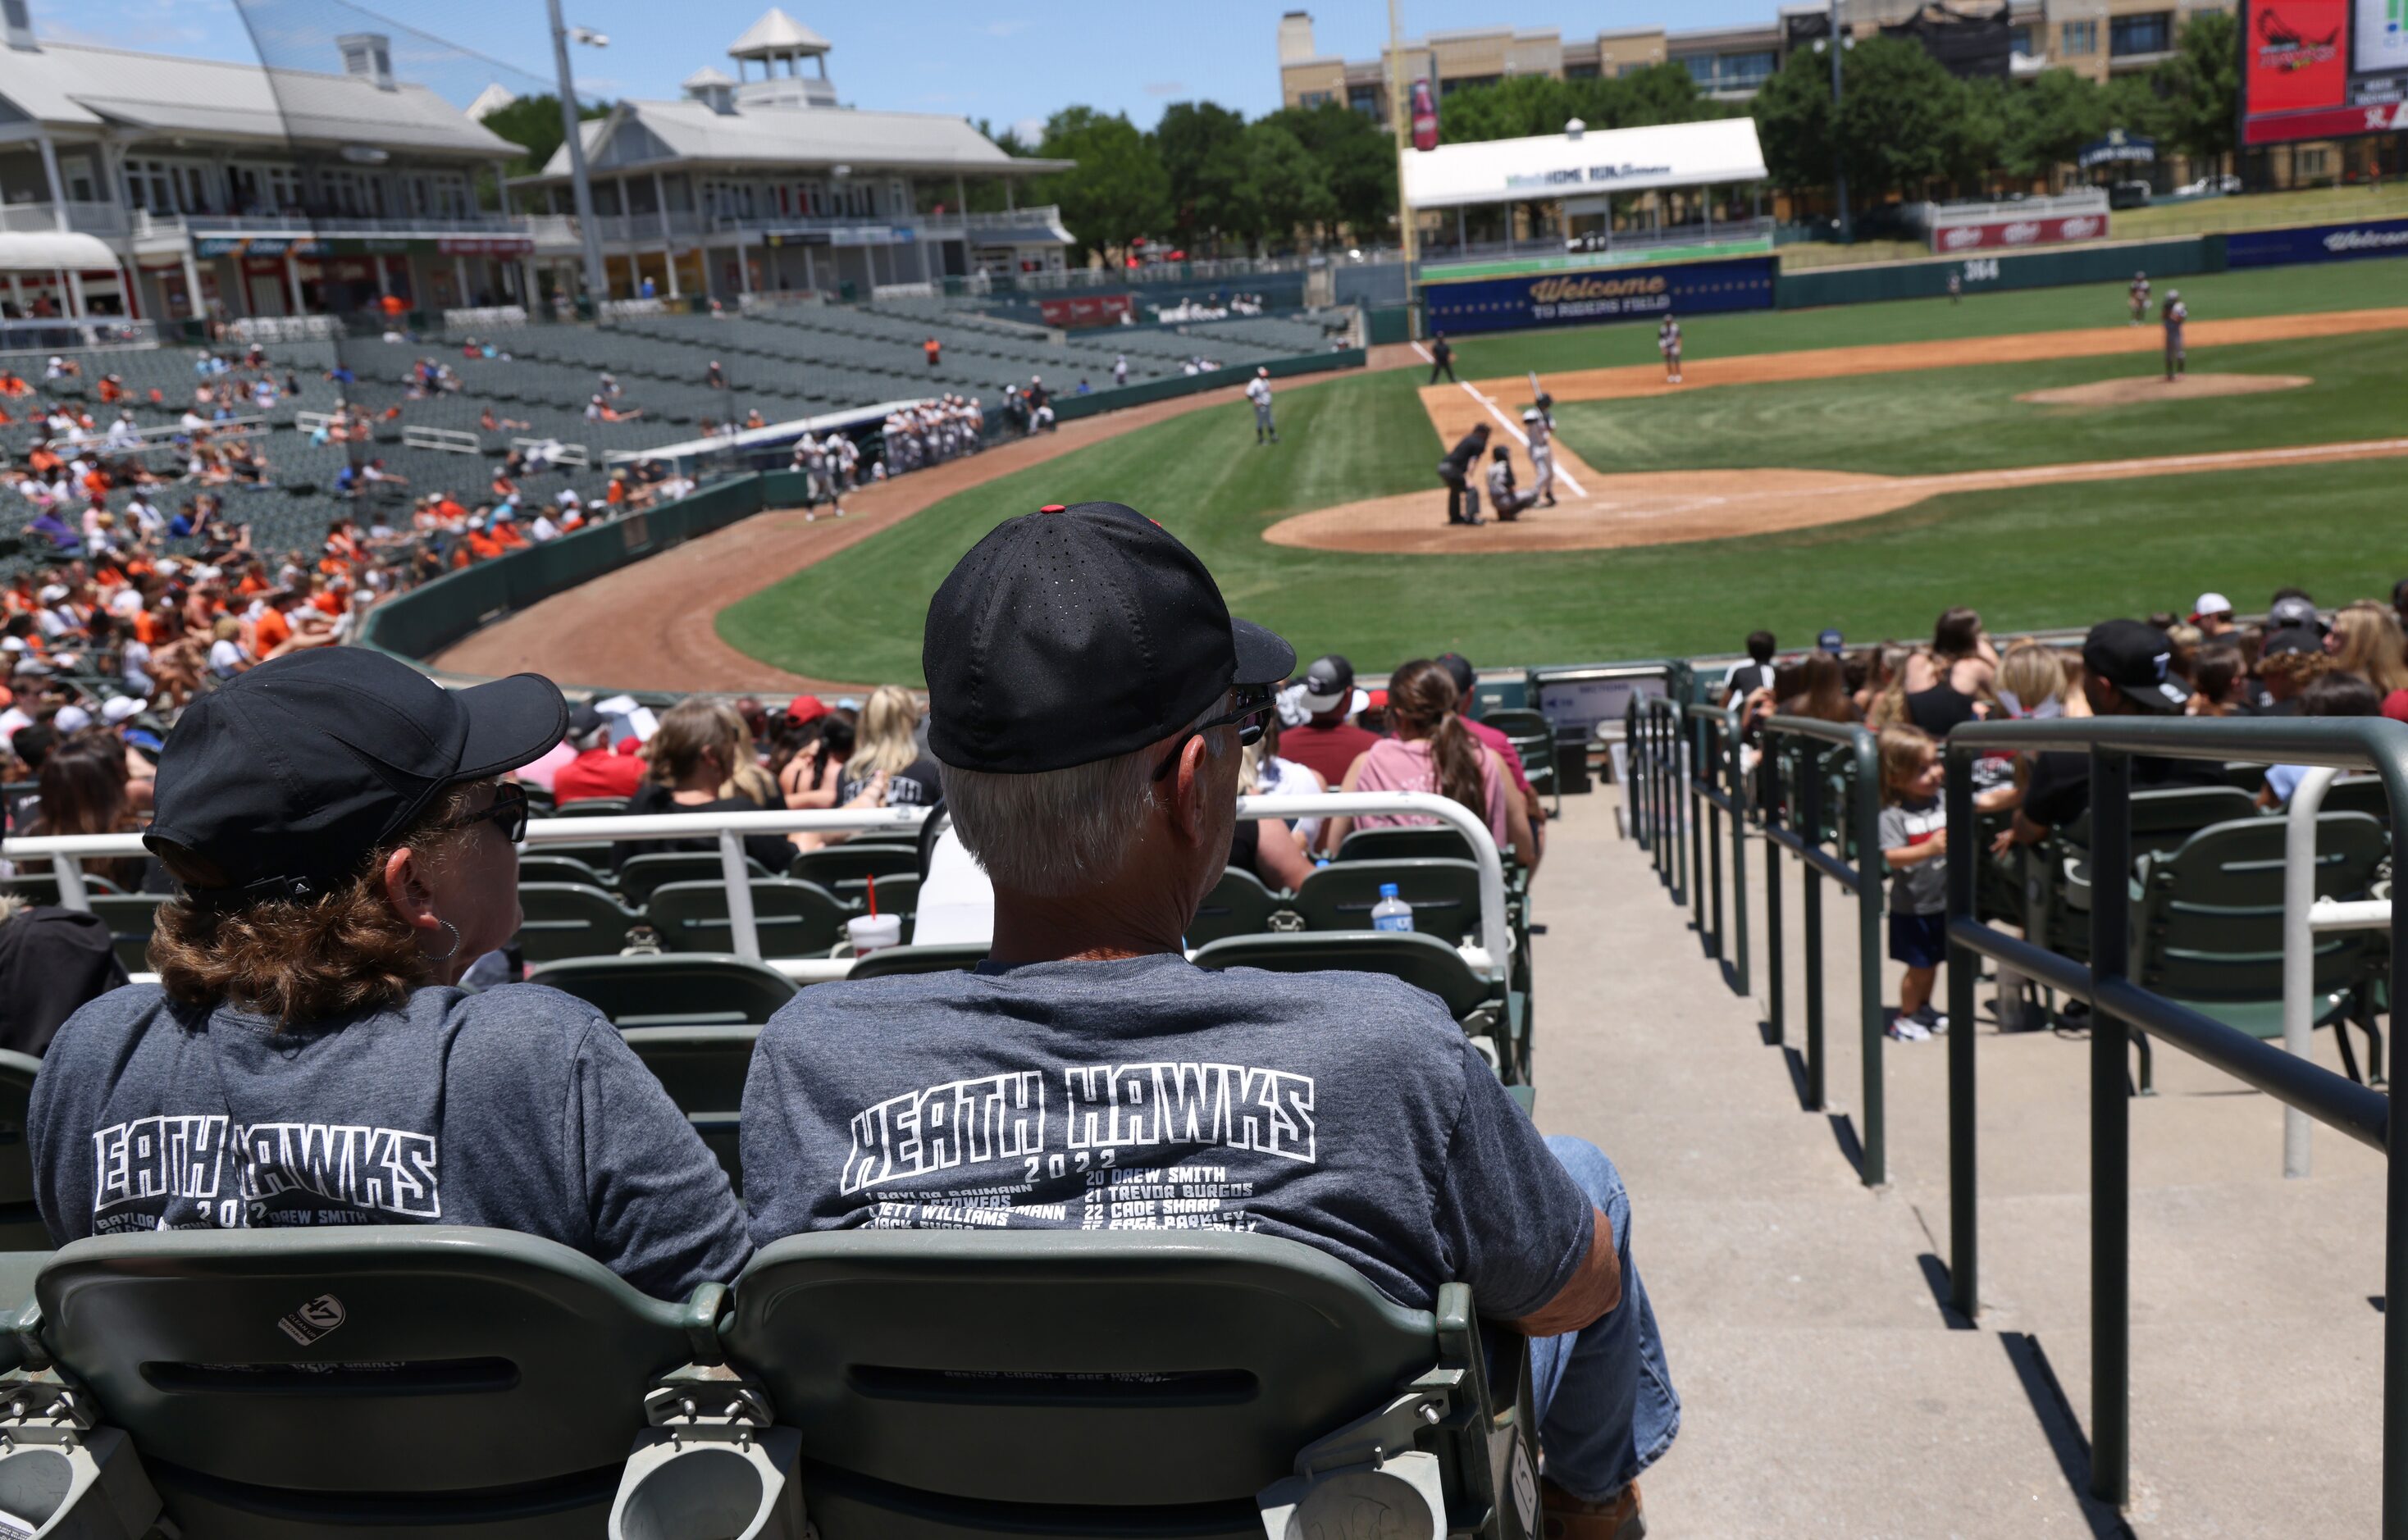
1538,426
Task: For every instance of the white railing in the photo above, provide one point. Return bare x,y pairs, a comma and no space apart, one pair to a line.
67,852
283,328
54,334
449,440
554,452
485,316
622,307
2089,200
2303,917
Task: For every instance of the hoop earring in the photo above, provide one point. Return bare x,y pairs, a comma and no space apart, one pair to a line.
448,954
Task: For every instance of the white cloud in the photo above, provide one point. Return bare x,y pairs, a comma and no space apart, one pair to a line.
1006,27
1165,88
1029,129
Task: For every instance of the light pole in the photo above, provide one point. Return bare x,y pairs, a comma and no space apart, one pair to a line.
1838,168
1400,119
597,283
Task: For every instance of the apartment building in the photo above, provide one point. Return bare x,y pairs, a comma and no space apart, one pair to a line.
2095,37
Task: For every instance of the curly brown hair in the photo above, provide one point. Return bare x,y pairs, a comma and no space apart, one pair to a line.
294,962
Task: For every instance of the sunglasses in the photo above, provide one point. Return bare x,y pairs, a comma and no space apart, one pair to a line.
509,808
1254,703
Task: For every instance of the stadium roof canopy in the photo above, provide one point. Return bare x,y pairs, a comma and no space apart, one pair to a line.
1577,164
664,135
150,95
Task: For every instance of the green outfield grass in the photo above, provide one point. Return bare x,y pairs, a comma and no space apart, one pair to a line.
1936,420
2213,297
2046,556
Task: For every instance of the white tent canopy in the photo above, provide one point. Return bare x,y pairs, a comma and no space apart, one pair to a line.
53,250
1715,152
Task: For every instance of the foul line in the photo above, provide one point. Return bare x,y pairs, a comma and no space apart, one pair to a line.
1515,429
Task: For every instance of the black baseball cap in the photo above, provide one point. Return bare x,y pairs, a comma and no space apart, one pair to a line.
284,779
1075,633
2134,658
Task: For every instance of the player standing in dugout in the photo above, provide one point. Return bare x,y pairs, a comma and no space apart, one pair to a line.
1668,342
2173,314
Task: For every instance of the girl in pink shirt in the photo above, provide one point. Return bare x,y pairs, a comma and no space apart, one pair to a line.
1433,751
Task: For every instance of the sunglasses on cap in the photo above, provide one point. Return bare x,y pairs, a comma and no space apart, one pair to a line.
1254,703
509,808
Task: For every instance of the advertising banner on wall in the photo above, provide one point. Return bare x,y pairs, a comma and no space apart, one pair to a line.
1584,298
1085,310
2014,235
2316,243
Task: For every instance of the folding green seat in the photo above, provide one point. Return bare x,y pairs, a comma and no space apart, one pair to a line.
561,920
1534,738
540,864
130,919
1496,1017
282,1384
1437,841
639,875
891,960
1239,905
792,919
1444,896
852,860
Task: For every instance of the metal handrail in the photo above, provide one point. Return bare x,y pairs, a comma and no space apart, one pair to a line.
2302,918
1861,880
1716,750
1491,957
2341,743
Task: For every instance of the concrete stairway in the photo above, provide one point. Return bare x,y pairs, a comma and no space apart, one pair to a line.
1828,1390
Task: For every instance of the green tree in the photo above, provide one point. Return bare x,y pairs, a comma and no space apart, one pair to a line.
2049,118
533,122
1286,188
2200,87
1898,114
1204,167
1116,193
1357,156
1793,121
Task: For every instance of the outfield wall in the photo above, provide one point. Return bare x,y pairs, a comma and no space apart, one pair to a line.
1978,275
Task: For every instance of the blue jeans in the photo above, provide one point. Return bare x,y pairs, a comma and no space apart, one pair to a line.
1607,1409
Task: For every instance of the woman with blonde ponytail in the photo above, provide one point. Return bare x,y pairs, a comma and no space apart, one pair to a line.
1433,751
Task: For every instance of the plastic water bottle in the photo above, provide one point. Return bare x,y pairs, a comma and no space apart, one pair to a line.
1391,913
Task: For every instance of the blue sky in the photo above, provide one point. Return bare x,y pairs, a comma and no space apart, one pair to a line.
1007,60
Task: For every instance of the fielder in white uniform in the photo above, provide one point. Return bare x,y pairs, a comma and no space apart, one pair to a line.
1258,391
1538,426
1668,342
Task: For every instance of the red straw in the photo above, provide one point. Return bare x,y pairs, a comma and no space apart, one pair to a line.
873,898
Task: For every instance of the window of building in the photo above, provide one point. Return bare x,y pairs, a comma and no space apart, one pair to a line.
1635,68
1449,86
1747,71
2307,164
2153,32
2075,37
1701,68
1311,99
1581,72
2021,40
1365,100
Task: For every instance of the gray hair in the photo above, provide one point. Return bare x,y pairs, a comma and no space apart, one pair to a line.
1051,834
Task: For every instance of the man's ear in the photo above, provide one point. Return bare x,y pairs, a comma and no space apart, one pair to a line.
1191,784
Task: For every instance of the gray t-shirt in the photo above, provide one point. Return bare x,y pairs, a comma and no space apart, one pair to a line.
1343,1111
1921,889
518,1109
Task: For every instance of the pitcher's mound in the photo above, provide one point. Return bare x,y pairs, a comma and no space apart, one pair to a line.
2133,393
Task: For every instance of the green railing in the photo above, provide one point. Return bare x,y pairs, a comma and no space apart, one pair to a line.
1791,744
1718,788
2105,982
1655,755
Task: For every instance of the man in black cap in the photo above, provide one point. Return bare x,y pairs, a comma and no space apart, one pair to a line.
344,849
2126,672
1088,694
1326,741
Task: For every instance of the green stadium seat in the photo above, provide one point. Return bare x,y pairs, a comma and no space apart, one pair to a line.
1196,1384
891,960
1497,1019
1238,905
20,1224
792,919
672,988
1534,738
404,1379
596,853
130,919
2208,929
1444,894
641,873
561,920
592,808
541,865
1436,841
852,860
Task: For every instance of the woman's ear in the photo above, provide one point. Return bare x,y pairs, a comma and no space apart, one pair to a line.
405,889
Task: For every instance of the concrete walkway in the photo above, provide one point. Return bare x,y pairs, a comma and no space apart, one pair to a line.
1828,1388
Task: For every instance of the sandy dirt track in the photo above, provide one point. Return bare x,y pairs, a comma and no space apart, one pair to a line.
1668,507
2148,389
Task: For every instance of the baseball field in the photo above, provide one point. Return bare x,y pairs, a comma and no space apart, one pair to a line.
1856,466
